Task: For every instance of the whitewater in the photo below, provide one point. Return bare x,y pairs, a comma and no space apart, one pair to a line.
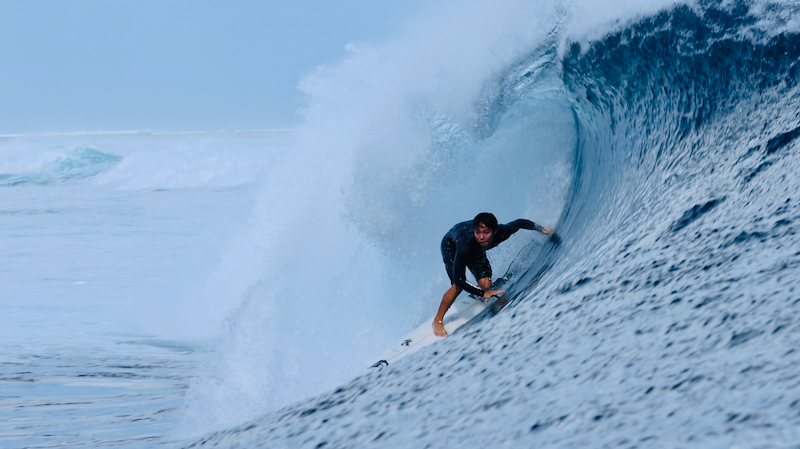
229,289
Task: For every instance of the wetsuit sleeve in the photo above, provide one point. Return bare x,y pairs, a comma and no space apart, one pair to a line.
522,223
460,269
504,231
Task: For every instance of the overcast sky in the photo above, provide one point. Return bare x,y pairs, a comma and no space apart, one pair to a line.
173,65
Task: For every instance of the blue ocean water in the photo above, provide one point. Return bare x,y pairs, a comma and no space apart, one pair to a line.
229,289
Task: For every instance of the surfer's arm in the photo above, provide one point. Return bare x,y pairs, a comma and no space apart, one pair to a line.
522,223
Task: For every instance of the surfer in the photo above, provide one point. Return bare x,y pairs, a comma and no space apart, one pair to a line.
464,246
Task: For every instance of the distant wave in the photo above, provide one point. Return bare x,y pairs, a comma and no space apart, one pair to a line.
144,131
73,164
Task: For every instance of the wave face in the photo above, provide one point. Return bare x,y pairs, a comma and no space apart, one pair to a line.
668,315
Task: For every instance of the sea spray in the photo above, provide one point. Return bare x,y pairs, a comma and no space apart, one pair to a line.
346,231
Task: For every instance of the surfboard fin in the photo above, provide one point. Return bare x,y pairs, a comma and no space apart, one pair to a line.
379,364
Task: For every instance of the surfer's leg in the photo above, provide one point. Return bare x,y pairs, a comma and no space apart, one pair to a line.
448,255
447,300
480,268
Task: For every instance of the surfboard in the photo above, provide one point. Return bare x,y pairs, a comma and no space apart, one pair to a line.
460,313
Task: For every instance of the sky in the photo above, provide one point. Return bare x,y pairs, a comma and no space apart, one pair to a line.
173,65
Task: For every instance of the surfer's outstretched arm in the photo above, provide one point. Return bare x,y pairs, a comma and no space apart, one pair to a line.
522,223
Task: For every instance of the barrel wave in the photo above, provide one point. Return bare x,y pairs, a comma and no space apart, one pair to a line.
667,316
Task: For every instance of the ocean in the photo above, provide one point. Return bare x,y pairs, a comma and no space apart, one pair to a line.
229,289
108,240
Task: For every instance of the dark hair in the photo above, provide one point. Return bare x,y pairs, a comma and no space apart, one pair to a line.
486,219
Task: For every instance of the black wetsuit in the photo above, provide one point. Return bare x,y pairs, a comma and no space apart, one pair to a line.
460,250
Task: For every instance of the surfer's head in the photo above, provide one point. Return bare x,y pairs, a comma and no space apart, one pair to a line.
486,219
485,226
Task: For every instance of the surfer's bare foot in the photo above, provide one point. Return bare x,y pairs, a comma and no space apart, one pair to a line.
438,328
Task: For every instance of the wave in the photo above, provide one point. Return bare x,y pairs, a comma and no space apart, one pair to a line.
668,315
140,160
70,165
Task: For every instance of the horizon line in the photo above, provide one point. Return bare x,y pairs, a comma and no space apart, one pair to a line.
142,131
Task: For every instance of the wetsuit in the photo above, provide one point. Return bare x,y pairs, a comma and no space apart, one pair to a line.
460,250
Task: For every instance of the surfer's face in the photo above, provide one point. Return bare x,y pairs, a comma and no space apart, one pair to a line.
483,235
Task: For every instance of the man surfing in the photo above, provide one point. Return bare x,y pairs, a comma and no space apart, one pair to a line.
464,246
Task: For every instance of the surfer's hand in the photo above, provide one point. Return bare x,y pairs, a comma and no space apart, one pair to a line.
547,231
489,293
438,328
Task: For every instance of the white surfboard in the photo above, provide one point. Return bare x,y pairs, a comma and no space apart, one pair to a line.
461,312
